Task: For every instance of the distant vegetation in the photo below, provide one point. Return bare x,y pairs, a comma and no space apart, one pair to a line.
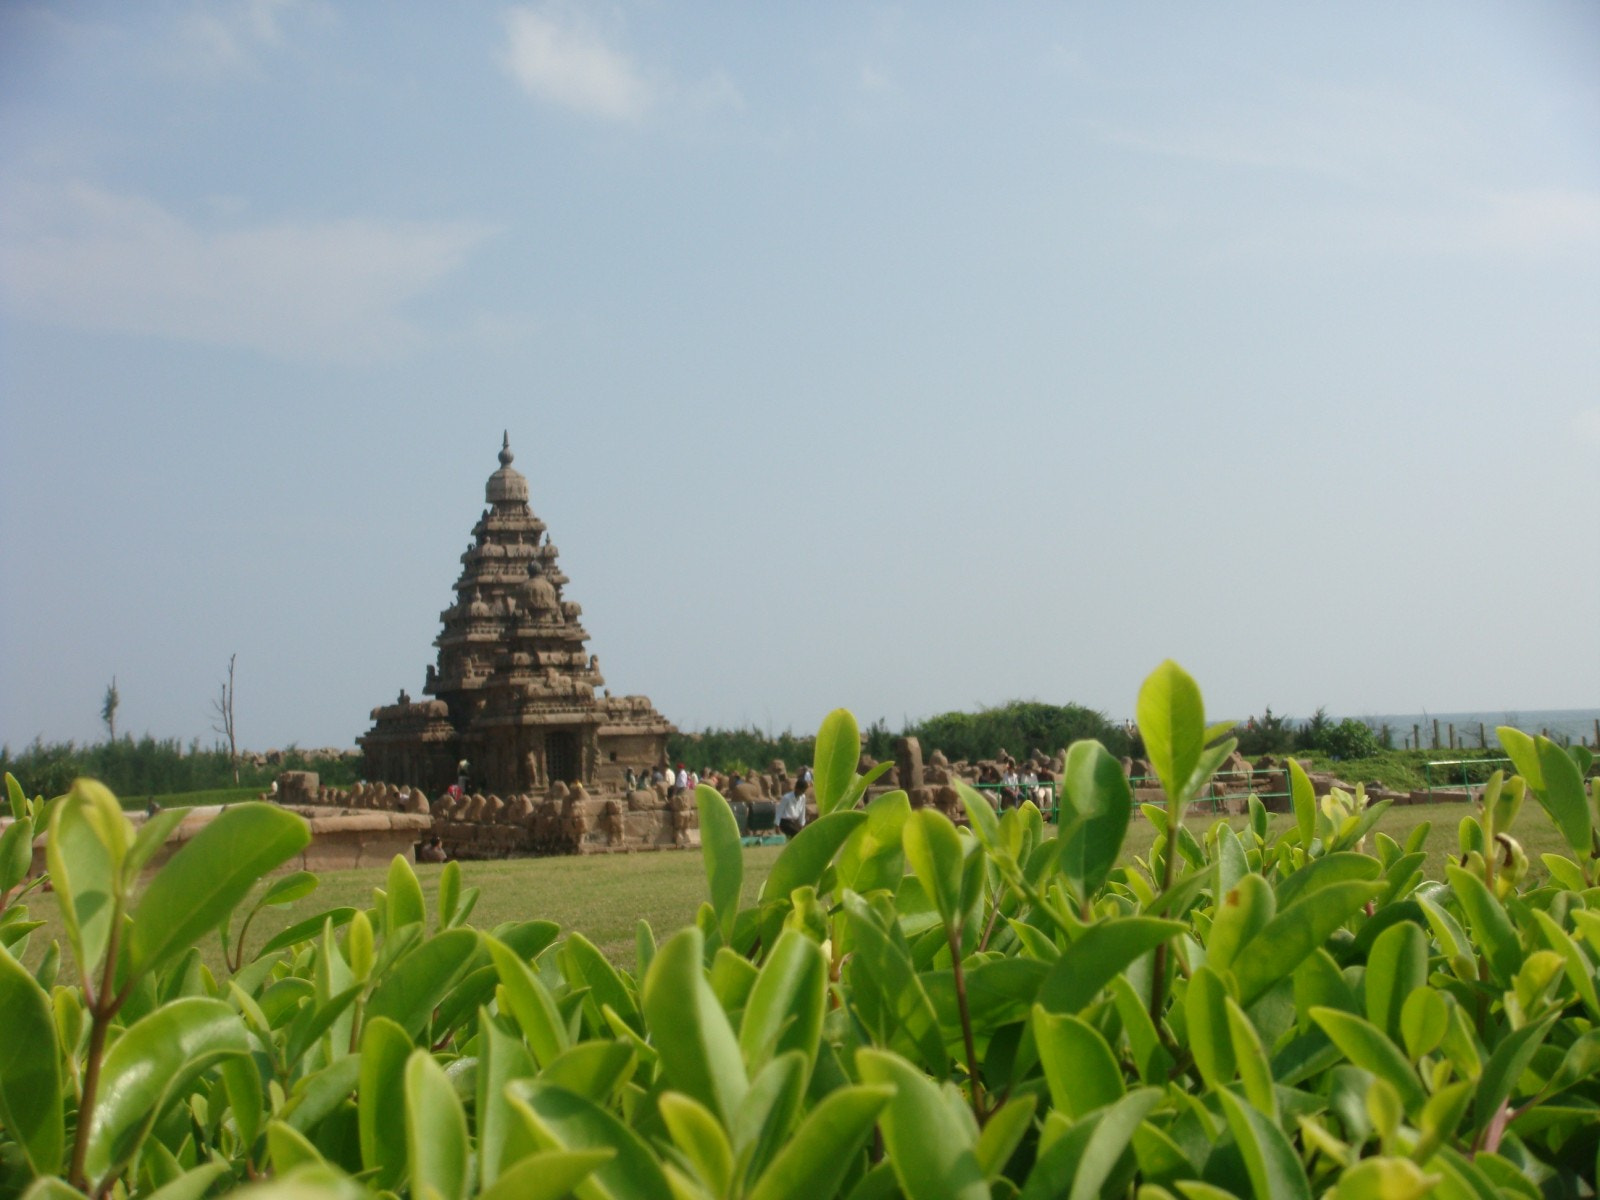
148,767
1350,747
1018,728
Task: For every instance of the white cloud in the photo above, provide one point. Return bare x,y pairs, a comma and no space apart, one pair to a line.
223,37
558,57
82,257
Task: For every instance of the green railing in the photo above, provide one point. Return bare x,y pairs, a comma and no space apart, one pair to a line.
1464,764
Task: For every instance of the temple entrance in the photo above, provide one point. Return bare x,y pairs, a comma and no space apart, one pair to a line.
564,755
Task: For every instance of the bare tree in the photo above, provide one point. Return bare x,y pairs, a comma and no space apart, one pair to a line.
108,709
222,711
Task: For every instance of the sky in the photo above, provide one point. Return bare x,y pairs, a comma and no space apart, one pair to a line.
906,357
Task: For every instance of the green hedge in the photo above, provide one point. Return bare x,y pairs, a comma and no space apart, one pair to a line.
907,1008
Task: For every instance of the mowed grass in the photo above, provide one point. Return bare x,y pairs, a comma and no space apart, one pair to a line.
605,896
137,801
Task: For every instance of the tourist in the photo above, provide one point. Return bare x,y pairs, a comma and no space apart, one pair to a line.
431,852
792,810
682,778
630,780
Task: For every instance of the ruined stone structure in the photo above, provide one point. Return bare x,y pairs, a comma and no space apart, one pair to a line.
563,820
515,692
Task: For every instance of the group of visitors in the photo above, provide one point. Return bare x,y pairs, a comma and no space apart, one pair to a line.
1015,788
677,779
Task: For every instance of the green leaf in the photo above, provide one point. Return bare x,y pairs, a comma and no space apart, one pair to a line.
1294,933
288,1148
937,857
191,1185
1079,1066
151,837
872,857
52,1189
30,1070
1366,1045
84,851
287,889
723,855
813,1162
932,1148
16,853
857,790
1523,753
838,750
1150,1057
1003,1132
200,885
449,893
802,862
244,1087
1579,971
304,931
1205,1013
1339,867
152,1064
767,1116
1563,797
1397,965
1424,1020
1491,927
1250,1056
884,975
1171,717
595,972
1243,913
14,793
1505,1066
559,1120
1080,1164
981,818
1096,804
785,1008
436,1130
530,1003
385,1051
1275,1170
416,984
699,1053
594,1070
403,896
551,1175
501,1058
1104,951
696,1132
1304,798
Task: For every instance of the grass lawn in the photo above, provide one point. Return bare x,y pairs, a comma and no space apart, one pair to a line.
136,802
605,896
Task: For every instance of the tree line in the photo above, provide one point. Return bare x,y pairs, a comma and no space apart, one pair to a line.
158,767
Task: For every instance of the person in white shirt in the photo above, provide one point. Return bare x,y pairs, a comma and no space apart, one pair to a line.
792,810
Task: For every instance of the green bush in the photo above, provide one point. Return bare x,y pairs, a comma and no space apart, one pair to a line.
1348,739
907,1008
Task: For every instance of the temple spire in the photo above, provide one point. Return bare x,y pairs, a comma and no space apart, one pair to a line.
505,448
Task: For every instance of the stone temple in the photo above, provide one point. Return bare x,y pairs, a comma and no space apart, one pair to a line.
516,694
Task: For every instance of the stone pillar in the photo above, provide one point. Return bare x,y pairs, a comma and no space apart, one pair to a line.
908,762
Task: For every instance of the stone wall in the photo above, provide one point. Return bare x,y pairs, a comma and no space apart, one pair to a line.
340,838
565,820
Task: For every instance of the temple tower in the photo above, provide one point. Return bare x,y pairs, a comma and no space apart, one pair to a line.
514,685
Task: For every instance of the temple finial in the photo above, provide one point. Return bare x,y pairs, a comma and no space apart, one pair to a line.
505,448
